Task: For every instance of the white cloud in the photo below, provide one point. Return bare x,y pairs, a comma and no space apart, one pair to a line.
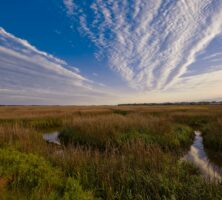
151,43
69,4
28,75
214,57
201,87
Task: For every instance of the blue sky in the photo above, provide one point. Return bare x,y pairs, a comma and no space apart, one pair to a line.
108,52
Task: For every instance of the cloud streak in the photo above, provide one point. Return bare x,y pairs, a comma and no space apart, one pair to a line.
151,43
28,75
69,4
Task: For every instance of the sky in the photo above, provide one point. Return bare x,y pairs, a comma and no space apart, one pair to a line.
92,52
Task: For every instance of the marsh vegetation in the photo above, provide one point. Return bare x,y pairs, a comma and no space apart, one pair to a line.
107,152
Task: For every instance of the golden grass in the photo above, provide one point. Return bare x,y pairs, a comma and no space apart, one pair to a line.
139,167
12,112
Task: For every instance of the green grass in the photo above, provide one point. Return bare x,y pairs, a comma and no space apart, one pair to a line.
108,153
213,135
178,137
35,178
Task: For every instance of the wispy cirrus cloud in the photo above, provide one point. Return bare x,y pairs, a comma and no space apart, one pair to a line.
31,76
69,4
151,43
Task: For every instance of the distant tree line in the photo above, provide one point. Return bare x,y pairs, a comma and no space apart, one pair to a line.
174,103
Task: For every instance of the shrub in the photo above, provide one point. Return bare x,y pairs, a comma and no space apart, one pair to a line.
36,178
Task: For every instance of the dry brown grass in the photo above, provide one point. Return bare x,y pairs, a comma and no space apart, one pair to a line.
136,169
12,112
18,112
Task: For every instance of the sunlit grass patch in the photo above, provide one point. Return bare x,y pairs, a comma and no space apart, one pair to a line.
36,178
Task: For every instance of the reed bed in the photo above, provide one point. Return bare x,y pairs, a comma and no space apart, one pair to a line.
108,152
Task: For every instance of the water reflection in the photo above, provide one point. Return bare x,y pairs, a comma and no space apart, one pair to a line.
199,158
52,137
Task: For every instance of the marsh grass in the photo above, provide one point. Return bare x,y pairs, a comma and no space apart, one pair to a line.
35,178
114,130
110,152
213,135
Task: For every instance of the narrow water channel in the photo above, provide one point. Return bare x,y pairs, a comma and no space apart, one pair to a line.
52,137
199,158
196,155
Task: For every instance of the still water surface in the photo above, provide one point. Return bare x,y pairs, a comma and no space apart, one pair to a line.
52,137
199,158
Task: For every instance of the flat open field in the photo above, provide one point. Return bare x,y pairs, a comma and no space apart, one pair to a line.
107,152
